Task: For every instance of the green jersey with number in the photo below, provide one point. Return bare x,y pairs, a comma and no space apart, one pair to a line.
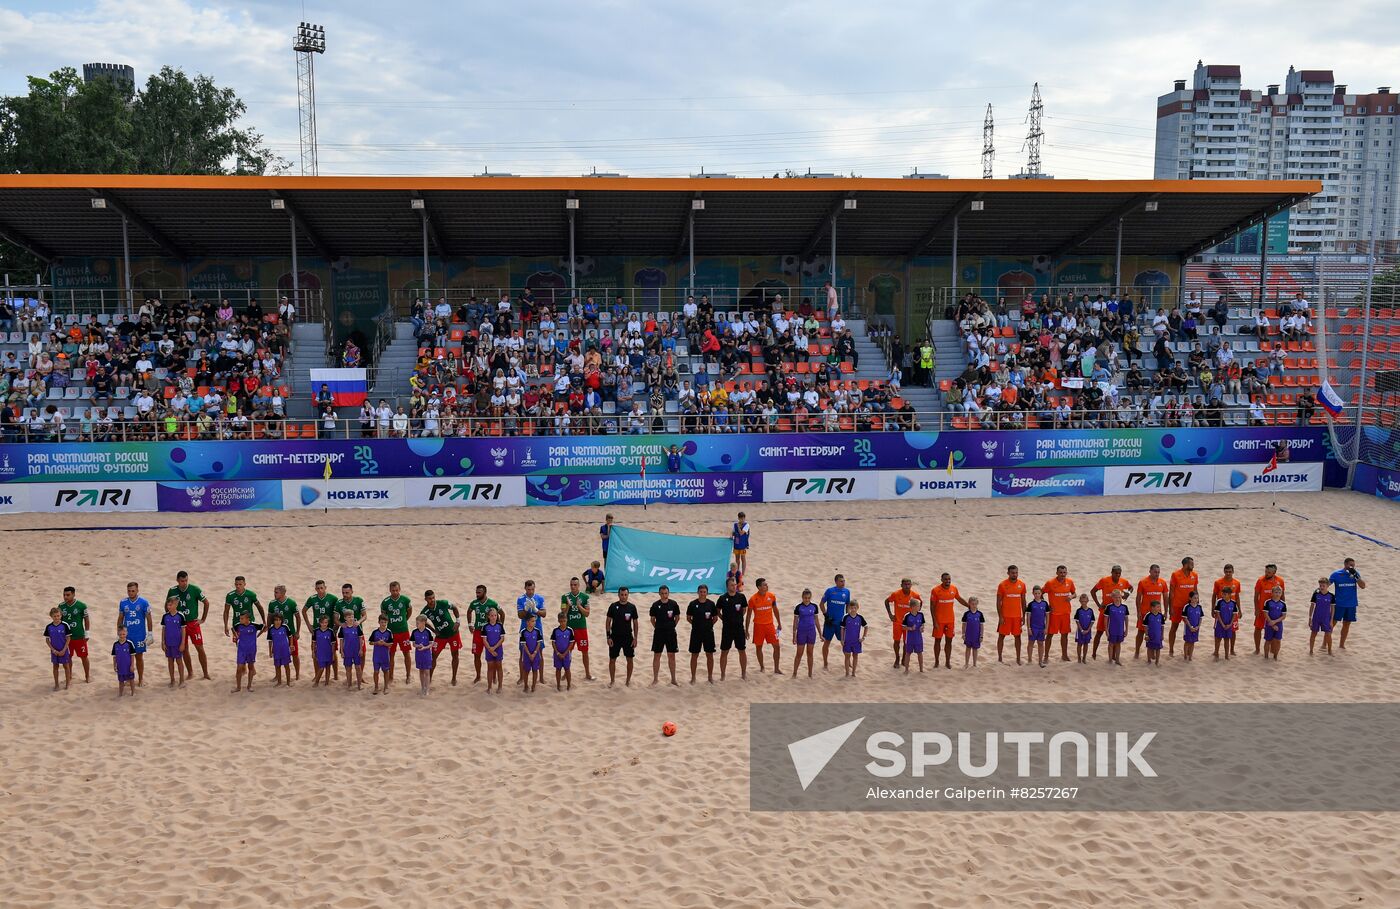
574,604
241,604
398,610
73,615
322,605
479,610
287,609
354,604
444,622
187,601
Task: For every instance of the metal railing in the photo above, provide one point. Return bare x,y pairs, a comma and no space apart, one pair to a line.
160,429
642,299
79,302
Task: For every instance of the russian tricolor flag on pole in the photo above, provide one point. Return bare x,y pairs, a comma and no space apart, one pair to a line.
1329,399
349,387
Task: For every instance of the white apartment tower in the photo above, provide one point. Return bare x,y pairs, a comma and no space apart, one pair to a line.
1312,130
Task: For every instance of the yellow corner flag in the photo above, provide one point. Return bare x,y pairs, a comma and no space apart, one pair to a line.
326,474
950,463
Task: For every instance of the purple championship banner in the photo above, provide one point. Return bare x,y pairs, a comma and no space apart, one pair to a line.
801,453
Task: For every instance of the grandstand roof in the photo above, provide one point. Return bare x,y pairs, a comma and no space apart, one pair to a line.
193,216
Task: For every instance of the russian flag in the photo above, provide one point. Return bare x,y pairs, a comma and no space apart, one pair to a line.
349,386
1329,399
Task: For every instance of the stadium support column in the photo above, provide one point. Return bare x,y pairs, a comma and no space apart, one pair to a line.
296,269
571,205
954,294
1263,263
690,230
831,267
426,295
1118,260
126,265
1366,316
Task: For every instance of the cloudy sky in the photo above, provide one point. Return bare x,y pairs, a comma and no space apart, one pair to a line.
660,88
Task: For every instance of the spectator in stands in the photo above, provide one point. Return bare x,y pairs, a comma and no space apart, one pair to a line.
1261,324
351,357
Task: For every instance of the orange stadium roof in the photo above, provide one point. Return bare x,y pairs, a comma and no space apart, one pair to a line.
192,216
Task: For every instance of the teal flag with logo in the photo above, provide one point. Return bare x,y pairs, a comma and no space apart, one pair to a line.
642,561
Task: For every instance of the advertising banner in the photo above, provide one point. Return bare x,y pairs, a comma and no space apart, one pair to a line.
820,486
642,561
14,499
333,493
1136,481
255,495
1047,481
93,497
725,453
1285,478
632,489
935,484
465,492
1378,481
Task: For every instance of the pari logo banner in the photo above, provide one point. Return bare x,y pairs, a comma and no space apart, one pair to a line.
633,489
93,497
465,492
1047,481
1287,477
1072,757
299,495
642,561
820,486
256,495
935,484
1163,480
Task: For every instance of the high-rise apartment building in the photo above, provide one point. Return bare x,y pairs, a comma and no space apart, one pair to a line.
1311,130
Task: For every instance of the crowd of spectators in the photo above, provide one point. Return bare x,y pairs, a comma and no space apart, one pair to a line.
173,369
521,366
1079,362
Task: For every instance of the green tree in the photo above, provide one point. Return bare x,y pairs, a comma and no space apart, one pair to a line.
174,124
1385,291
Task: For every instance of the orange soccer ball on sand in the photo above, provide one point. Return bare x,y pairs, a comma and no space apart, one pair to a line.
668,728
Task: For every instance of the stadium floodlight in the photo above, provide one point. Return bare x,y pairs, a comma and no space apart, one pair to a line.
571,203
417,204
849,204
1150,206
977,205
697,204
279,204
99,203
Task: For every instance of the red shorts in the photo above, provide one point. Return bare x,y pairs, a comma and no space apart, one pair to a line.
898,630
196,636
1012,626
765,634
581,640
1059,624
1176,612
454,643
942,630
1258,619
478,642
78,647
401,638
293,641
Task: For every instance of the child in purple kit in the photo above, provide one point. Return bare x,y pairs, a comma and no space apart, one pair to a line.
174,638
245,638
56,633
973,623
805,633
382,640
352,650
124,662
1224,614
562,642
1116,616
1038,620
422,641
323,645
1083,628
531,654
914,633
1274,612
1192,616
853,629
1152,625
1320,615
493,635
279,647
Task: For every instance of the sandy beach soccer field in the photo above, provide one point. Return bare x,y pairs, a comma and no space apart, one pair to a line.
318,797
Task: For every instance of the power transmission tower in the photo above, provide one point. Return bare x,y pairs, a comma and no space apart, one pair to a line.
1034,135
988,150
309,40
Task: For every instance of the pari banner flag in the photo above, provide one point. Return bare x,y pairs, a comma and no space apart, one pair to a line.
642,561
348,387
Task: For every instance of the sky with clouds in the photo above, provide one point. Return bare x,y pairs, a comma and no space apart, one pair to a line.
662,88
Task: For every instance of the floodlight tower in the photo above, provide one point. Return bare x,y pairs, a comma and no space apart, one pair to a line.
309,40
988,150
